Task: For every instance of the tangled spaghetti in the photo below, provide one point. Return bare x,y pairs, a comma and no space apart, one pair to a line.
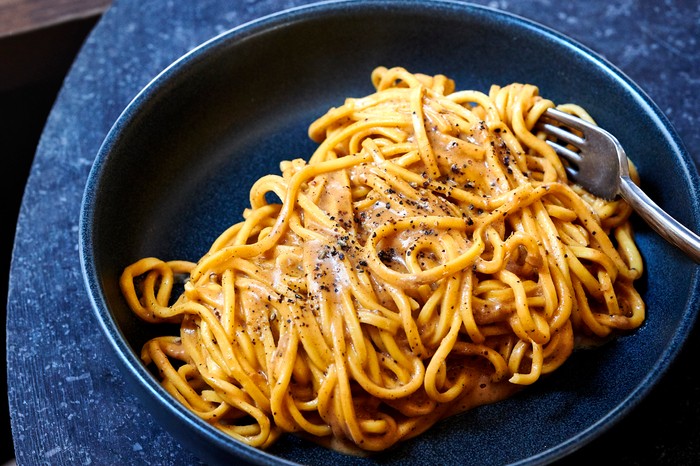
431,256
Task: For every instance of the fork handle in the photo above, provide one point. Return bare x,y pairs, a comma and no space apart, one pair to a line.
665,225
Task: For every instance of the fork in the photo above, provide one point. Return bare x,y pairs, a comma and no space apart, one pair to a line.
596,160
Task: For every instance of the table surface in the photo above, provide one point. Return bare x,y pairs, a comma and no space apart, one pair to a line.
26,16
68,403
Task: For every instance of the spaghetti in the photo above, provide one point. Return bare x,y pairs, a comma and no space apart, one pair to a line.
431,256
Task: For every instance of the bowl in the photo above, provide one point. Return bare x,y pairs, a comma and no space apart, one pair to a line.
176,168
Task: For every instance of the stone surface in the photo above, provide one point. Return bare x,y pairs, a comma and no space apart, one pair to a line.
68,404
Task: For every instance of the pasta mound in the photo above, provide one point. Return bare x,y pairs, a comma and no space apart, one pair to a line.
431,256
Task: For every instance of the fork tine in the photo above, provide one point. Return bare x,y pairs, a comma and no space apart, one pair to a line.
569,120
563,135
571,172
566,153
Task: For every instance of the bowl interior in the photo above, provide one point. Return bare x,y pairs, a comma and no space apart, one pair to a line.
177,167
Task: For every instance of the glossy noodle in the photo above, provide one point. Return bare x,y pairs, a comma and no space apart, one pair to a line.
431,256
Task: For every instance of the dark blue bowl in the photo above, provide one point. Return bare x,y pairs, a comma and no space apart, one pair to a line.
176,169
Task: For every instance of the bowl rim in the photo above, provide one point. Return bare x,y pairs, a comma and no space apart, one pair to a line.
125,353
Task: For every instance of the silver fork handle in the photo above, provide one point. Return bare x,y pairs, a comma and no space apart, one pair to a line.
665,225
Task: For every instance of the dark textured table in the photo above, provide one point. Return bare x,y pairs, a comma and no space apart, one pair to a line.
68,403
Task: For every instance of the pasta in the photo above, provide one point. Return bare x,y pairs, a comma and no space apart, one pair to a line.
431,256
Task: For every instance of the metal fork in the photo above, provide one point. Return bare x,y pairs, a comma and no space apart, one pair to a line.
600,166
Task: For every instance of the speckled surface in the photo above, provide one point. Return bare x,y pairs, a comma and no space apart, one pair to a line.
70,406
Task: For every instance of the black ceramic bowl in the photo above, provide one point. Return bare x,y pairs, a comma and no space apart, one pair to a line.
176,169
